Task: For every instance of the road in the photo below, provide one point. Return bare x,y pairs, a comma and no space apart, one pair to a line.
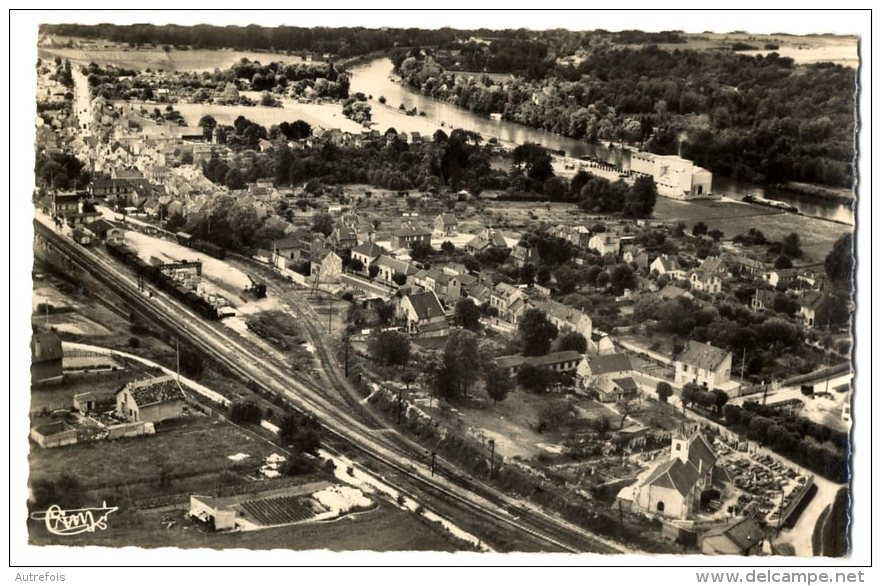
251,364
82,102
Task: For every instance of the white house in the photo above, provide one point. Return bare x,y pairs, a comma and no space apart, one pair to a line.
674,176
703,364
610,374
667,265
605,243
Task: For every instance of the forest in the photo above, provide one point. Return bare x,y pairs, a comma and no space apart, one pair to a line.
759,118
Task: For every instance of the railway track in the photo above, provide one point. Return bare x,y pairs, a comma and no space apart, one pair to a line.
216,341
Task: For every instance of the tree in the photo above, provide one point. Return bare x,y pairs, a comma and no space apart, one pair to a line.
572,341
208,124
641,198
664,390
323,223
716,234
462,359
389,348
372,271
534,378
699,229
301,432
399,279
536,160
448,247
720,398
357,265
467,315
839,261
783,262
792,246
420,250
245,412
498,383
536,332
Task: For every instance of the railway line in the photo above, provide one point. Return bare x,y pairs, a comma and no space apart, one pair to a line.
398,457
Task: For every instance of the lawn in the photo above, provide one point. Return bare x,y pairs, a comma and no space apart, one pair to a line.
144,58
386,528
196,446
102,384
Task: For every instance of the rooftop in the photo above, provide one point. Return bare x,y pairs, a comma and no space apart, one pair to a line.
153,391
702,355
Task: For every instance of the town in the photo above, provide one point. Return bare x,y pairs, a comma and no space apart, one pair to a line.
265,296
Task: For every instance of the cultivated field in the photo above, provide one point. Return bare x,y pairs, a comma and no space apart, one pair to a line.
154,58
385,528
197,446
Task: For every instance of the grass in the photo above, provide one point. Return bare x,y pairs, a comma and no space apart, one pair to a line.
102,384
386,528
817,236
197,446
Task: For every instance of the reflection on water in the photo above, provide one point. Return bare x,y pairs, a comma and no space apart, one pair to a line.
377,78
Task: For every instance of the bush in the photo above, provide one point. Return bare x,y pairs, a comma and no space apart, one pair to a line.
241,412
134,342
297,465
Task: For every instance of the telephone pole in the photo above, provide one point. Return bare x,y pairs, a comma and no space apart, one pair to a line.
492,457
177,344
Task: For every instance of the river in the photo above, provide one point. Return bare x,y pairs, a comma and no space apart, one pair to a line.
377,78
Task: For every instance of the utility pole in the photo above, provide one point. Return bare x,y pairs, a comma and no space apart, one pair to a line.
742,369
400,405
329,313
492,457
433,458
346,341
177,343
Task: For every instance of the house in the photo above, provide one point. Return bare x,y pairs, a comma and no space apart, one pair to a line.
716,266
779,278
408,235
343,237
214,512
636,256
673,489
326,266
703,364
424,315
565,361
479,293
565,317
264,145
105,231
576,235
446,224
64,204
742,537
46,359
600,343
448,287
153,399
808,306
763,299
605,243
367,253
510,301
389,267
707,282
105,186
610,374
286,248
523,254
486,238
667,265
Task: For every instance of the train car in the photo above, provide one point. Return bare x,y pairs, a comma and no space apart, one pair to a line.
184,239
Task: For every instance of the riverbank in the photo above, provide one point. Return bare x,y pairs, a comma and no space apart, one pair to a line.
818,191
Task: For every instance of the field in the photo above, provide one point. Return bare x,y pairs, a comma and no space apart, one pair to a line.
733,218
803,49
386,528
197,446
198,60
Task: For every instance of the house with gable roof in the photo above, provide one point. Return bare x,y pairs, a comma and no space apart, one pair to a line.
446,224
487,238
565,317
510,301
424,315
153,399
609,374
666,264
705,365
